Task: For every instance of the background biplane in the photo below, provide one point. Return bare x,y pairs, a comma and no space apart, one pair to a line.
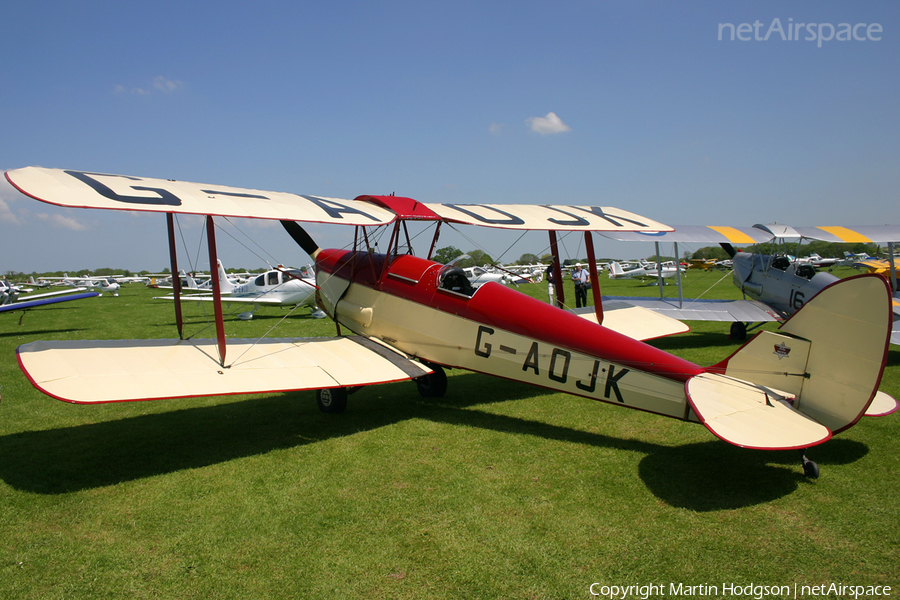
775,286
410,317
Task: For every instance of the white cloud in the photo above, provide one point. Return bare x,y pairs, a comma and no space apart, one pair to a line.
7,215
60,221
548,124
166,85
159,84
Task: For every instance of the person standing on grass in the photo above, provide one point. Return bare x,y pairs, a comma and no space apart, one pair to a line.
550,289
581,279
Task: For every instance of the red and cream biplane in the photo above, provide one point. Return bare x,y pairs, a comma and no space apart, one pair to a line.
410,317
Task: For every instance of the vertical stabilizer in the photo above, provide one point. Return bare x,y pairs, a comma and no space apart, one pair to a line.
225,285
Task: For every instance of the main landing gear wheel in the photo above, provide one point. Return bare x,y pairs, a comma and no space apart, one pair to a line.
433,385
810,469
738,331
332,400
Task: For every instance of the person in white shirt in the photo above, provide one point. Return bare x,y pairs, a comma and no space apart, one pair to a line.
581,279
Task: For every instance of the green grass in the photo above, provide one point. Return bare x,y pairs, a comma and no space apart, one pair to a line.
498,490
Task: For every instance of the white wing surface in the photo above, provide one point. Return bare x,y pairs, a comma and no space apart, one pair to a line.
634,321
93,372
82,189
547,217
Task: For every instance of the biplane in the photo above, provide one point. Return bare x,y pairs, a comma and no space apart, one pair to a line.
401,317
775,286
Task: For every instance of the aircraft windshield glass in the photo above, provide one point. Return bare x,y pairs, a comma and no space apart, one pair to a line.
453,279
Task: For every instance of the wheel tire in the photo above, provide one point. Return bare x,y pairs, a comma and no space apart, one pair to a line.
738,331
332,400
433,385
811,469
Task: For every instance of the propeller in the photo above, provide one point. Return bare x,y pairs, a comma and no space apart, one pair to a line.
299,235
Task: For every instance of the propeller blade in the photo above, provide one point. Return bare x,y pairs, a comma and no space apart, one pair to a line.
299,235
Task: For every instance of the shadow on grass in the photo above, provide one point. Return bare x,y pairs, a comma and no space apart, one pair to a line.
36,332
715,475
702,476
696,340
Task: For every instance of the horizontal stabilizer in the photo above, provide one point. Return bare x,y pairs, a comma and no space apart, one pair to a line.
882,405
751,416
88,372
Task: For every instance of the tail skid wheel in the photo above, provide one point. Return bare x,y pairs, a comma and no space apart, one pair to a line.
810,469
332,400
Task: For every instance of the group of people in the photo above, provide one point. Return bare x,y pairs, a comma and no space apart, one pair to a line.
582,282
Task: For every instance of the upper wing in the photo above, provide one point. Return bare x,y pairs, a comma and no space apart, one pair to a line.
866,234
80,189
547,217
126,370
711,234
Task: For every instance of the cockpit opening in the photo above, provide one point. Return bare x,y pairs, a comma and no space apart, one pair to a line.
453,279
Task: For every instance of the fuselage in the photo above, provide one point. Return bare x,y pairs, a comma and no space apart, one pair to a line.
778,282
411,304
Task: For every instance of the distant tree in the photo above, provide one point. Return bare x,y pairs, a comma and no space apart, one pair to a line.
711,252
527,259
480,257
445,255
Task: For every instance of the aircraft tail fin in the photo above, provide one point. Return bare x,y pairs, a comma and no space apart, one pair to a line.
225,285
615,269
828,358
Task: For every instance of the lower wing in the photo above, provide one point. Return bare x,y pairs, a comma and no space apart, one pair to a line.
89,372
748,311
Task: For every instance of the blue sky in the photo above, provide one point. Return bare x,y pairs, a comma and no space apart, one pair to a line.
448,102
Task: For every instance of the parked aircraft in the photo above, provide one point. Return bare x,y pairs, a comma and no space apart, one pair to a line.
105,284
645,270
280,286
14,298
410,317
776,286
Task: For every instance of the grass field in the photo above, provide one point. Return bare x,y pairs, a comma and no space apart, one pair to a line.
497,490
